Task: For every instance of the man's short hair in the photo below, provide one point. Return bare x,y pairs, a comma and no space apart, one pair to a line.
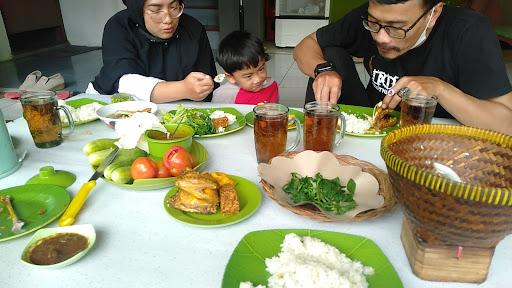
239,50
426,3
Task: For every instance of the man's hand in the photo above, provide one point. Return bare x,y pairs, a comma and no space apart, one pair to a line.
429,86
327,86
198,85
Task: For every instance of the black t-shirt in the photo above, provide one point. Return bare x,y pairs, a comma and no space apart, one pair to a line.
462,49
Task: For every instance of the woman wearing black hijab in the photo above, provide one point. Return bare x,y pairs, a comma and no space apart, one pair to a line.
154,51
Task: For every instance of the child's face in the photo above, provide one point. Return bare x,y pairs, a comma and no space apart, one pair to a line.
251,78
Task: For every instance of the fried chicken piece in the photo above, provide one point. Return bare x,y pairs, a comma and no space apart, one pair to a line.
382,119
229,203
187,202
221,178
196,193
220,123
194,183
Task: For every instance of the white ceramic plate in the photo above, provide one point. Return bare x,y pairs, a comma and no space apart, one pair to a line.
86,230
105,112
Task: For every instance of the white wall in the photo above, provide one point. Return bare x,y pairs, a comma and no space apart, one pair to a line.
5,49
84,19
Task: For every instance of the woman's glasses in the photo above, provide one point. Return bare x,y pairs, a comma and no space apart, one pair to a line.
160,14
393,32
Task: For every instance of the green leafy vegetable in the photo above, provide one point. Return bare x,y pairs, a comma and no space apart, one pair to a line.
199,120
328,194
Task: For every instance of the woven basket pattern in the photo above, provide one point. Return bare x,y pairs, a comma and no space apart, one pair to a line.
312,212
476,213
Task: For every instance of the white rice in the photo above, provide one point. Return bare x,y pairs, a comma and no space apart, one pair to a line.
357,125
308,262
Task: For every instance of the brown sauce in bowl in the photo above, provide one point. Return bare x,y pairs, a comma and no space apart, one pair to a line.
159,135
57,248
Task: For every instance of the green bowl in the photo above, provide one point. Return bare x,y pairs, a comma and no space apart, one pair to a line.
158,147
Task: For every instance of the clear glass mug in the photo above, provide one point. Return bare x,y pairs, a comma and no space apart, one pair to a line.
41,111
271,131
417,109
320,126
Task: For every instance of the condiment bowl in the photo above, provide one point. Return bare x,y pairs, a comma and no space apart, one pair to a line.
107,113
86,230
178,135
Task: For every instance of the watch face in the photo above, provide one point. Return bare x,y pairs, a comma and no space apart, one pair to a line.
323,67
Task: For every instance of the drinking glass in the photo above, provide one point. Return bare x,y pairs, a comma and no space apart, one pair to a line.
417,109
271,131
41,110
320,126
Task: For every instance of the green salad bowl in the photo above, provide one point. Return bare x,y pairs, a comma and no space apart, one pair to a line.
178,135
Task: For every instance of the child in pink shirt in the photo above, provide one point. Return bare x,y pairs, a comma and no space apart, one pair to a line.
243,58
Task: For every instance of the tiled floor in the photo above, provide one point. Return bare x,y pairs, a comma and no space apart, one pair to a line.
80,69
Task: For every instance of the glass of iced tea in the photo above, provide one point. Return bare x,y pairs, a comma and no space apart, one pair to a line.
41,110
417,109
320,126
271,131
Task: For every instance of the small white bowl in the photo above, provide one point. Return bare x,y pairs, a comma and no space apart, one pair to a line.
86,230
105,112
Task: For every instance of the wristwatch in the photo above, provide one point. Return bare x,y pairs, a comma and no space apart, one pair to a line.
323,67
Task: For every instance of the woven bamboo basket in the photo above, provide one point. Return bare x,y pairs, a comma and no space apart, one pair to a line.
310,211
476,212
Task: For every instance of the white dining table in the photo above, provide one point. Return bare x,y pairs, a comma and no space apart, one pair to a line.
139,244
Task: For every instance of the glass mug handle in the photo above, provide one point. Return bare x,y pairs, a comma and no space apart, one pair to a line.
342,129
297,138
70,119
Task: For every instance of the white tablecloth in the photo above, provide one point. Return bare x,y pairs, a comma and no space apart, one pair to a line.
139,245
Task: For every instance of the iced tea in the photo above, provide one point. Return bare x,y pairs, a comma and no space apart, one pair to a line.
320,121
417,109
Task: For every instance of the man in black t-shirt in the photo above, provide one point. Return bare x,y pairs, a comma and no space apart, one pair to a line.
448,52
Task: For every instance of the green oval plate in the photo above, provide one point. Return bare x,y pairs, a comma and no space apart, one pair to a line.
28,202
361,112
239,123
249,197
247,263
198,152
77,103
249,118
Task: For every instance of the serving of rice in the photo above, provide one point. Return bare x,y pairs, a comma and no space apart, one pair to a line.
357,125
308,262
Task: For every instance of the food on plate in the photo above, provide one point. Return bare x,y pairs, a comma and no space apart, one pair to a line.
163,172
57,248
309,262
84,113
356,124
98,145
17,224
204,193
221,120
381,118
143,168
177,159
124,114
327,194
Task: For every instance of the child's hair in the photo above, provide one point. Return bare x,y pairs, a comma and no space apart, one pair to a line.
239,50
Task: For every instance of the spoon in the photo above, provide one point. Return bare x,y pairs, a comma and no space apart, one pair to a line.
447,172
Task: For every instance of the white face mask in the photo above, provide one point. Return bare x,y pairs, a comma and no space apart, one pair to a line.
423,35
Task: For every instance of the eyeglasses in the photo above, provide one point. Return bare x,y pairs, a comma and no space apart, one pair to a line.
161,14
393,32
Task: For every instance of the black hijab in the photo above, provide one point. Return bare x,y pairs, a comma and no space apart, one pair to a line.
128,48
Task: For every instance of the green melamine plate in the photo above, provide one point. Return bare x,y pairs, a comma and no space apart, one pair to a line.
198,152
249,197
239,123
247,263
77,103
362,112
35,204
249,118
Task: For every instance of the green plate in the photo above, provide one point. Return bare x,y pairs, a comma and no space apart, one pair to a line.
27,201
239,123
249,118
361,112
198,152
247,263
249,197
77,103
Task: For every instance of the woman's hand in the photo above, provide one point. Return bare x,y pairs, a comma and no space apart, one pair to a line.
198,85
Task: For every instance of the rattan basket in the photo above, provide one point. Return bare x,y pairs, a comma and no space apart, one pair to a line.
312,212
476,213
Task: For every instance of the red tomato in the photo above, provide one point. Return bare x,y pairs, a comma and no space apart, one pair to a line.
143,168
177,159
163,172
